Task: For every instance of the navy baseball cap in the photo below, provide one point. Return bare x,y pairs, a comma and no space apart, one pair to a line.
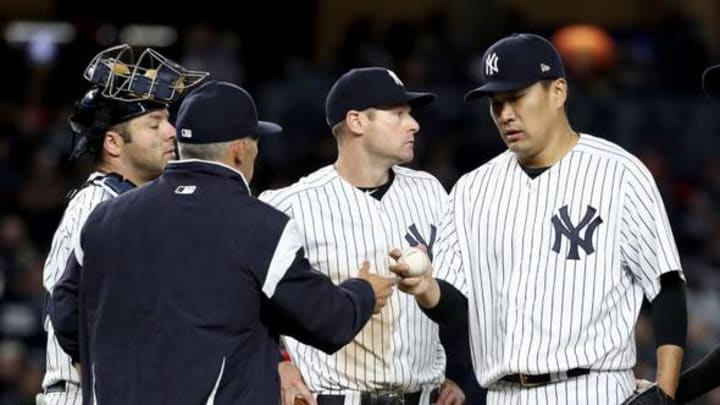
219,112
711,81
362,88
516,62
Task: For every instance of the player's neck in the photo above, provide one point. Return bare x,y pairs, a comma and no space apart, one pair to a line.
558,146
119,167
360,173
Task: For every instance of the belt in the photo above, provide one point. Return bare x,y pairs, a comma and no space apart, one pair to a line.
372,398
60,386
534,380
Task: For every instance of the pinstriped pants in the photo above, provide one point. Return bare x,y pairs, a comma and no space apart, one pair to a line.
72,396
595,388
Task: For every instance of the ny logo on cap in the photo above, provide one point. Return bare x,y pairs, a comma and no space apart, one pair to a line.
394,77
491,64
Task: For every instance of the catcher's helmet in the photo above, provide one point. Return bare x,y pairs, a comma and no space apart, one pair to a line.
124,88
94,114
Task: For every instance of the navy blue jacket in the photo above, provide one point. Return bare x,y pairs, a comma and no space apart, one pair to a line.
184,286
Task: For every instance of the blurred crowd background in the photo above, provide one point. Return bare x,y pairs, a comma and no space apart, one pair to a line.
634,71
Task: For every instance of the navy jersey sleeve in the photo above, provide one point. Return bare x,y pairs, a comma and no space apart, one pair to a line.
306,304
64,309
315,311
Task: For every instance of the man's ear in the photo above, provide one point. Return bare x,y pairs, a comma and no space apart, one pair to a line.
113,143
355,121
559,93
237,148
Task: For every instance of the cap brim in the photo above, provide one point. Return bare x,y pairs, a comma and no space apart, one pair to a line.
711,81
416,99
267,128
497,87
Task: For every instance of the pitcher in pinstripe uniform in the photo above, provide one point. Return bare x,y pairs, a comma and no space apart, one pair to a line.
359,208
551,247
130,141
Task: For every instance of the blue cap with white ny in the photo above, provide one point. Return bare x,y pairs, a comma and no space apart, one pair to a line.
362,88
516,62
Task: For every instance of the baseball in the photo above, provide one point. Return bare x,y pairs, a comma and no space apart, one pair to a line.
416,260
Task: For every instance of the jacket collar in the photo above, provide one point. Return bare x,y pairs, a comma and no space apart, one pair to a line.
209,167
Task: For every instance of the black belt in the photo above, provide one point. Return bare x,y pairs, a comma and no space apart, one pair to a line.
534,380
60,386
371,398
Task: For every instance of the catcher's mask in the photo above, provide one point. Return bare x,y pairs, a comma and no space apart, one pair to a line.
123,90
150,77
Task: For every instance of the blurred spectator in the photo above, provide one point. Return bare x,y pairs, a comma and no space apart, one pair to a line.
218,52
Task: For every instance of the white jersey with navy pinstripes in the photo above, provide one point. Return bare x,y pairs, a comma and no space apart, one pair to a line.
399,349
555,268
58,365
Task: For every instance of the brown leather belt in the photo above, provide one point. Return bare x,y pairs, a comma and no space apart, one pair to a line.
534,380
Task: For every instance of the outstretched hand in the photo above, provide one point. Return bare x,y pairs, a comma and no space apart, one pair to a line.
382,286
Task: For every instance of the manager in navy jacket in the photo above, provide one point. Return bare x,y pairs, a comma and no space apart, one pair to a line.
177,291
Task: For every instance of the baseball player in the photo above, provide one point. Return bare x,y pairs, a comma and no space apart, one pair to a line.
704,376
359,207
550,247
130,139
188,309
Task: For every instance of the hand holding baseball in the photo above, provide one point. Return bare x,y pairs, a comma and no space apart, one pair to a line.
411,282
416,260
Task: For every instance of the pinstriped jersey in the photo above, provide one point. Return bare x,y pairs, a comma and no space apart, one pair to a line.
194,320
555,268
99,187
399,349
